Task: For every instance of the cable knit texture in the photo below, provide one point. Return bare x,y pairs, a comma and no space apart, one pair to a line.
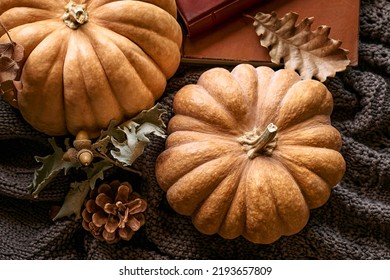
354,223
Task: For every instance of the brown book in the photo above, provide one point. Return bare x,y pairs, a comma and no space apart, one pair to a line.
202,15
235,40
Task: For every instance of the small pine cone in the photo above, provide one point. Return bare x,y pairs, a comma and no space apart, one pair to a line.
113,212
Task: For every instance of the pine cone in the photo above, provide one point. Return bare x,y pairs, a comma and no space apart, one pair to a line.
113,212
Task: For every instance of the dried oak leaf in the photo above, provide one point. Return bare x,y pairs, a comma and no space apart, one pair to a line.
12,50
311,53
11,54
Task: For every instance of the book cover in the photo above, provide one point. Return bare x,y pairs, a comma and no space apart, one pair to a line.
235,41
201,15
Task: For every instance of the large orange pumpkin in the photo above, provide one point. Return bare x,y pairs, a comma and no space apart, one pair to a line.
88,62
250,152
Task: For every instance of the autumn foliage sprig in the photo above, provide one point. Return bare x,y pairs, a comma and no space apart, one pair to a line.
118,145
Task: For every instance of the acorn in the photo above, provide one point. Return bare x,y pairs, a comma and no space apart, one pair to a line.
82,141
70,155
81,151
85,157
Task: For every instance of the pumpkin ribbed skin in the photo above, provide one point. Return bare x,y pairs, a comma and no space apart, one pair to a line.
111,67
209,175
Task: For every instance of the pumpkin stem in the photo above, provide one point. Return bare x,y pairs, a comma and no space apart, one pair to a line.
256,143
75,15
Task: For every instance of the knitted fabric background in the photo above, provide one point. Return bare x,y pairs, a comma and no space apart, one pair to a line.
354,223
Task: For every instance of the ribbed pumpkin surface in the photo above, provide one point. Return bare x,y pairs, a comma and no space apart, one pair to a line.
111,67
231,174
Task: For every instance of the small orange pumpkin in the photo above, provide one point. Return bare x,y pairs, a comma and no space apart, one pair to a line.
88,62
250,152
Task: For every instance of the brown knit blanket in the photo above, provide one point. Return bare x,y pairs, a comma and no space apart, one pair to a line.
354,224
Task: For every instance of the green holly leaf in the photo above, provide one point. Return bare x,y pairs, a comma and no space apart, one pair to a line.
102,144
51,166
152,116
96,171
74,200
